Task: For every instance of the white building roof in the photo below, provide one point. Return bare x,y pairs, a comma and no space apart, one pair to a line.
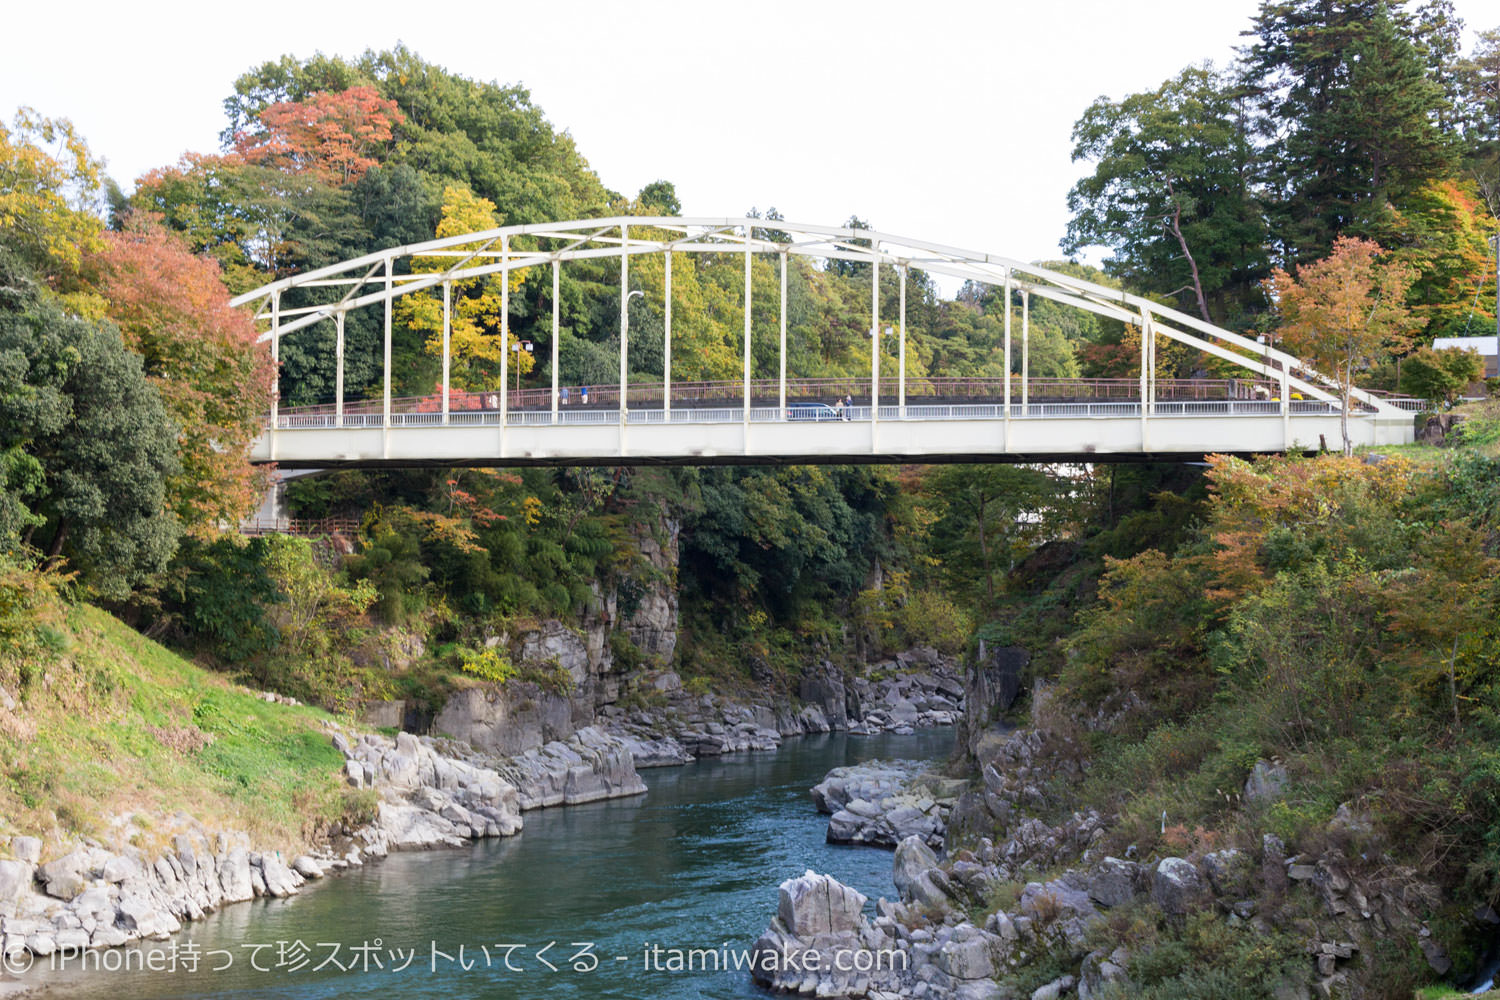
1484,345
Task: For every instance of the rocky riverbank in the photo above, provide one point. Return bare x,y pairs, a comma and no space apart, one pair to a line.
920,688
981,922
425,793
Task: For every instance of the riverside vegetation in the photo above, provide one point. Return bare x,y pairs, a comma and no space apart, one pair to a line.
1285,664
1257,757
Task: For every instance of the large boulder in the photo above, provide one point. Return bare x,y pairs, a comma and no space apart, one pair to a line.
913,859
27,849
70,874
1115,882
508,719
1176,886
969,954
818,904
1266,782
824,686
14,877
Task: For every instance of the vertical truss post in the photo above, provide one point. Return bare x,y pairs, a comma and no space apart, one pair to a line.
275,357
556,267
901,380
781,395
1146,336
390,264
874,343
338,376
666,368
447,344
505,333
1151,374
1286,406
1007,358
624,317
1026,351
749,236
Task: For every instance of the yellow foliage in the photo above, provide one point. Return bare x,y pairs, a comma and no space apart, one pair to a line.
49,198
477,322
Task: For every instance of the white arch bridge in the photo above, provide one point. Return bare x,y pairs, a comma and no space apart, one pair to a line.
1280,404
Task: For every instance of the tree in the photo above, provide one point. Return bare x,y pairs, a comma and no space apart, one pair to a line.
1440,375
214,379
48,198
1348,115
1342,312
1441,231
1478,81
994,510
1169,194
78,403
476,322
331,134
660,197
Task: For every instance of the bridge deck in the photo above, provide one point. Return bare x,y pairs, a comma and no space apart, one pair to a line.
982,432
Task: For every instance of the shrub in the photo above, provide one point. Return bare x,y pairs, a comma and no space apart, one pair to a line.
488,664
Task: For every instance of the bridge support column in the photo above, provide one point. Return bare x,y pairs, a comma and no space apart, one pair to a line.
1286,409
505,338
1146,337
275,364
781,376
749,236
874,348
624,322
556,266
338,376
385,423
1026,352
447,346
1007,359
666,368
1151,371
901,377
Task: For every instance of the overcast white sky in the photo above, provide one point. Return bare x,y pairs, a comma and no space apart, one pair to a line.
940,120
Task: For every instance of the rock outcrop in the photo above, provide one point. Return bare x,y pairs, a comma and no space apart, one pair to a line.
883,803
429,793
919,688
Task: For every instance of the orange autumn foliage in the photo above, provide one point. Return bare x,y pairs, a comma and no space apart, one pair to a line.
331,134
173,310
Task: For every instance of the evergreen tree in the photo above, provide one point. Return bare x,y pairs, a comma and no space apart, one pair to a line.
1348,114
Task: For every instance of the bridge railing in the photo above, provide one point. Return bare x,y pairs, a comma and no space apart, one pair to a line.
975,410
299,526
765,392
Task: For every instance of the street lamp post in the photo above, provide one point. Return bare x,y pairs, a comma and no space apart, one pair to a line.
518,347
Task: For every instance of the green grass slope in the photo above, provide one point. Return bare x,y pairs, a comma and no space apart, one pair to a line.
112,736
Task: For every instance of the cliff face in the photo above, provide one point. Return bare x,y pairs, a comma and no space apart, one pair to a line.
636,611
990,688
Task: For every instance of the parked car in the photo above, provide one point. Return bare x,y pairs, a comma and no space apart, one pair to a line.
810,411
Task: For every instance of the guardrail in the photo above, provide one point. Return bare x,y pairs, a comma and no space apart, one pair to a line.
299,526
774,414
720,402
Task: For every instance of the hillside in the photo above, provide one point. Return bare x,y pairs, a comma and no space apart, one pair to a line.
107,734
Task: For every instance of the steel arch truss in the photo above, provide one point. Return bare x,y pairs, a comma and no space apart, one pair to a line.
377,279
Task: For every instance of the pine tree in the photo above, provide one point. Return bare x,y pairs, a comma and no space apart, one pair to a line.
1348,114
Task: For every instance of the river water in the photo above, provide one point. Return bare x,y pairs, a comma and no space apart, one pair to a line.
621,890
